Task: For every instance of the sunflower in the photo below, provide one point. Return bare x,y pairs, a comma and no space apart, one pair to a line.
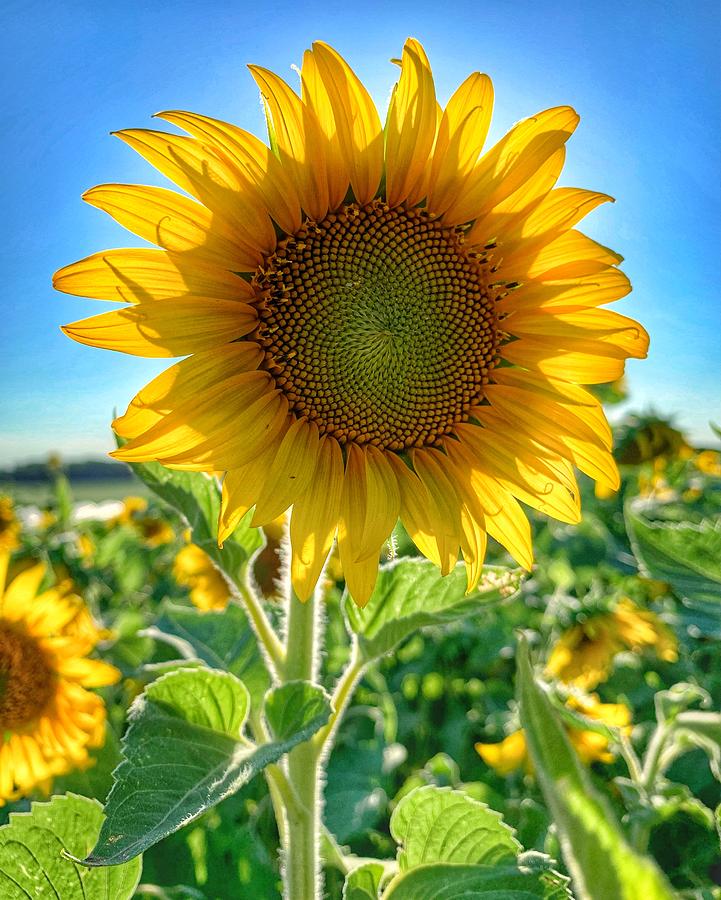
153,530
379,321
511,754
9,525
584,654
193,568
48,718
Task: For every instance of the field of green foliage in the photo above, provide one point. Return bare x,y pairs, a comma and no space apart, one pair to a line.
612,639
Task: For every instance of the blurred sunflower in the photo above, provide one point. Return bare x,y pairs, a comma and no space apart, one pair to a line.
48,718
511,754
584,654
194,569
9,525
379,321
154,530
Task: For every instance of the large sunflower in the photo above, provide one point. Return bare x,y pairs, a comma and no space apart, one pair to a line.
48,718
379,322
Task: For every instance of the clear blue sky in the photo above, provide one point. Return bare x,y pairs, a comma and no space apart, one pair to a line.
644,76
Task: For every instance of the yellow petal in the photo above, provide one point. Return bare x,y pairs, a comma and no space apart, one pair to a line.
290,472
461,134
370,503
443,514
21,591
241,488
186,379
210,416
175,327
314,94
487,498
131,276
590,290
314,519
360,577
410,126
300,141
507,166
88,672
601,325
174,223
204,175
585,362
253,162
360,135
571,247
473,547
535,481
414,509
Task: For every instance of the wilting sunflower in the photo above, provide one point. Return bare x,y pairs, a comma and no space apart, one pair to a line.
194,569
48,718
378,321
584,654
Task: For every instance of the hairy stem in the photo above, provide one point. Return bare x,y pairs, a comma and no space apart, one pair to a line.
302,873
341,698
267,638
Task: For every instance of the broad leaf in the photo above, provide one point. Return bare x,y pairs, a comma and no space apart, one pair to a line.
686,555
196,497
411,593
364,882
445,881
290,708
221,638
182,754
600,861
439,825
32,863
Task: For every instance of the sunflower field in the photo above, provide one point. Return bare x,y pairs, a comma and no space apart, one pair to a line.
562,724
388,609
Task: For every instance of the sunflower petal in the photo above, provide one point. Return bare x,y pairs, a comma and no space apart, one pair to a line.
175,327
290,472
314,519
174,223
360,135
410,126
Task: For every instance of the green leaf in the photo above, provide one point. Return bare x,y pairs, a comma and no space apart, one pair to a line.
296,707
686,555
32,863
445,881
223,639
196,497
182,754
364,882
440,825
600,861
411,593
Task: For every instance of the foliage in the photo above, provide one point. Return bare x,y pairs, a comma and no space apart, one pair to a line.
412,810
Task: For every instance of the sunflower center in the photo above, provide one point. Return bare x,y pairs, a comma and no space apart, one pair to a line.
26,680
377,325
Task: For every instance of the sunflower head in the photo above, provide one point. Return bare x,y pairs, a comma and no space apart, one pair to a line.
9,525
194,569
379,320
49,720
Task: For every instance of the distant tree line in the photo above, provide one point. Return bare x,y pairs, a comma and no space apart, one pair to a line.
92,470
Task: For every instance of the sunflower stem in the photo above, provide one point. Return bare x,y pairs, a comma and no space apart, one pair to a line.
302,872
267,638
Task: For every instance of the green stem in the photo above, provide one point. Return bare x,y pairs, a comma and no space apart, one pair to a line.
341,698
302,872
264,631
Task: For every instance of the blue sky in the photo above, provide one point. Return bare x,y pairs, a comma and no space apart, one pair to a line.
644,76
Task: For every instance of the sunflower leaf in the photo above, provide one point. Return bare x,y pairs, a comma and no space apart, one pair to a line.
196,497
440,825
364,882
222,639
600,861
411,594
183,753
32,860
448,881
686,555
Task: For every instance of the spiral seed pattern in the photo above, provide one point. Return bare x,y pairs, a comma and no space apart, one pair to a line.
377,325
